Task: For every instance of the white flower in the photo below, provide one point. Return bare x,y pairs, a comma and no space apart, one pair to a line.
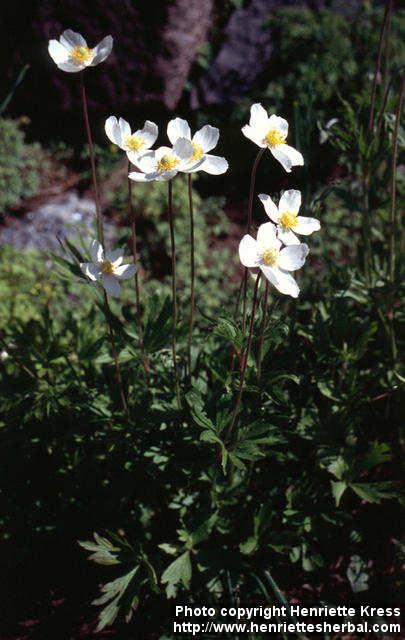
204,140
4,355
107,268
272,133
274,262
71,53
119,132
286,217
163,163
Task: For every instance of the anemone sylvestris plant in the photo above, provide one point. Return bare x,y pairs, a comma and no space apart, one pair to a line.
211,404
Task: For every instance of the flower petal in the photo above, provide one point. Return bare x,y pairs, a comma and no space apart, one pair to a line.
96,251
58,52
162,177
207,137
293,257
254,135
125,129
138,176
215,165
287,236
183,149
269,206
290,201
148,133
276,122
305,226
114,256
248,254
111,285
71,39
178,128
71,68
90,270
125,271
266,237
282,281
258,116
287,156
113,130
102,51
145,163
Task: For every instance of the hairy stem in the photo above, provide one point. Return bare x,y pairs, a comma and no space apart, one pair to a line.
393,214
378,67
248,228
174,287
262,330
96,193
118,376
131,214
192,269
245,358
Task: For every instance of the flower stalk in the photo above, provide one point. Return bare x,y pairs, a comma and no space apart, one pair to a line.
174,288
248,228
393,215
131,214
192,269
96,193
118,375
245,358
262,330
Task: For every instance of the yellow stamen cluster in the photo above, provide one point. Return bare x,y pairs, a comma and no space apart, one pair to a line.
134,142
274,137
198,152
167,163
270,257
107,268
79,54
288,219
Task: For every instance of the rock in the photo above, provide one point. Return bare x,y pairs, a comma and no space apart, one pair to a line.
40,228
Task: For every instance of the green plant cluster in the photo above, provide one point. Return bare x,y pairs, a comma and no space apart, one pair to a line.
20,165
303,496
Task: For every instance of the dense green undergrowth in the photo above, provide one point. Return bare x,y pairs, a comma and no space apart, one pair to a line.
306,489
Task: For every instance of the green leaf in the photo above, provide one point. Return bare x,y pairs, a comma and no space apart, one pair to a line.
178,572
338,467
104,550
113,592
338,489
375,491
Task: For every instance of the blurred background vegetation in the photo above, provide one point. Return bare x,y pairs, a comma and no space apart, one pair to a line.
315,496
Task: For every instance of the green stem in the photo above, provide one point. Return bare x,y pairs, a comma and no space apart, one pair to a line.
248,228
132,218
366,228
192,269
174,287
245,359
118,376
262,330
393,215
377,68
100,231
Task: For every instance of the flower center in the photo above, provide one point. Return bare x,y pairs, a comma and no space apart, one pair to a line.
79,54
270,257
107,268
198,152
274,137
288,219
167,163
134,142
